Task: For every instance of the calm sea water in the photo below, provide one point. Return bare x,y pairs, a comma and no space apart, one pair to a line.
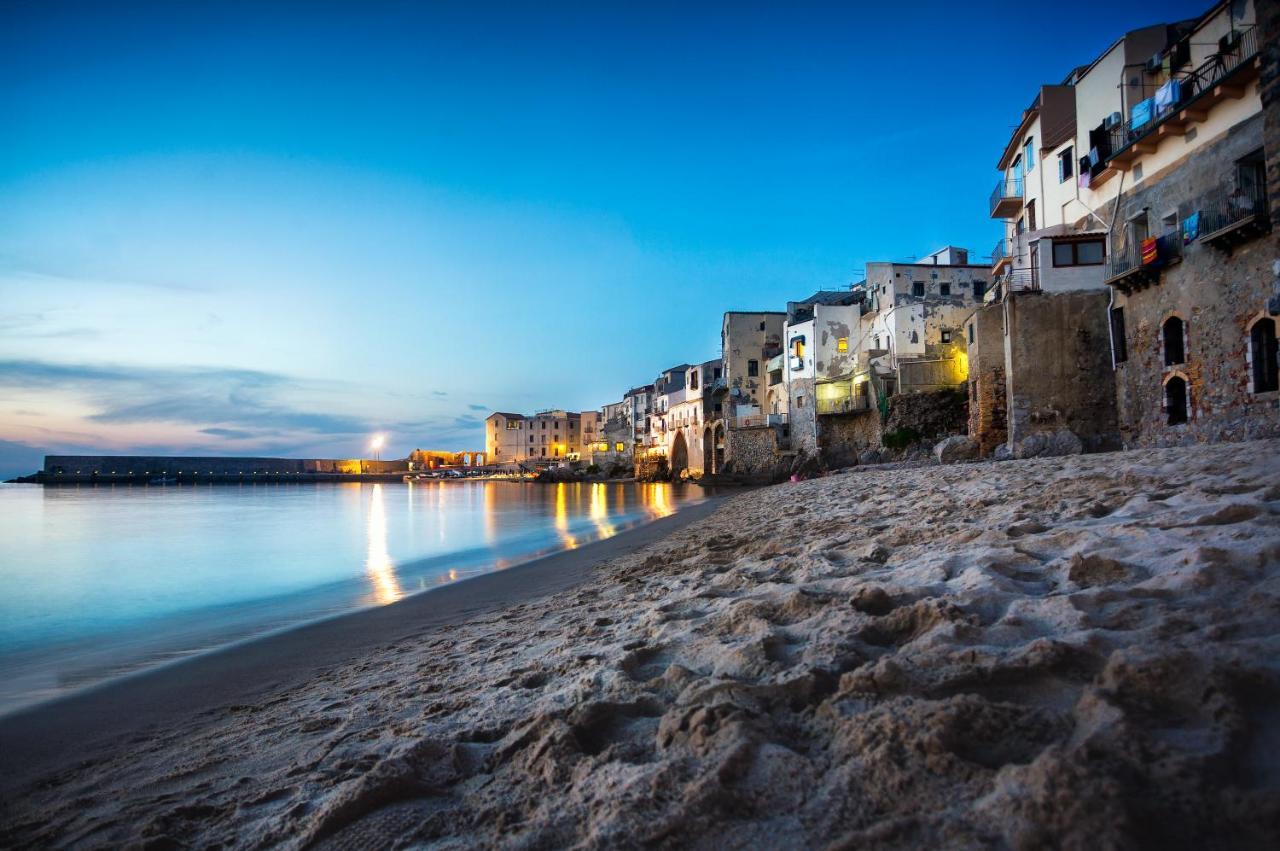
96,582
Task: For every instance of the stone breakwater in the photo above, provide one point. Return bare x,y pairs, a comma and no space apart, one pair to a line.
1074,652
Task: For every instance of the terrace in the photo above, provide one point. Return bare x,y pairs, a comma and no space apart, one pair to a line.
1184,100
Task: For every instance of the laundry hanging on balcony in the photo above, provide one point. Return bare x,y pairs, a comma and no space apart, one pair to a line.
1140,114
1150,251
1167,95
1191,228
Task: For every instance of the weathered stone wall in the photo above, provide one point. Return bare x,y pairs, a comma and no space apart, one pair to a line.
1268,12
804,438
988,411
843,436
930,415
752,452
1218,294
1058,367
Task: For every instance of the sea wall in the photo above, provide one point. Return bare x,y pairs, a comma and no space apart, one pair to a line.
93,468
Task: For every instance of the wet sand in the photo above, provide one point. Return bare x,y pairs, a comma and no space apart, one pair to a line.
1067,652
50,736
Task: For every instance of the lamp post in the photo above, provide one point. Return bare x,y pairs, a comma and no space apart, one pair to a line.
376,444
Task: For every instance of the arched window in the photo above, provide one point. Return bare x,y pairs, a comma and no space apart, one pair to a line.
1174,350
1262,348
1175,400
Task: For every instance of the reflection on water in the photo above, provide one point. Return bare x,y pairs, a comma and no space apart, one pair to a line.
599,510
657,499
102,580
562,518
377,562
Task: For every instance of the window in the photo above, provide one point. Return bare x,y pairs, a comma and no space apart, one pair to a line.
971,335
1119,346
1066,165
917,289
618,446
753,368
761,326
1175,400
693,380
1262,351
799,401
1029,155
715,373
946,335
1031,214
797,346
1088,253
1174,342
944,289
979,290
842,344
513,425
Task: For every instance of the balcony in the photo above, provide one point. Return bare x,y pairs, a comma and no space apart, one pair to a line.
1022,280
851,404
1001,256
1186,99
758,421
1129,269
1006,198
1229,219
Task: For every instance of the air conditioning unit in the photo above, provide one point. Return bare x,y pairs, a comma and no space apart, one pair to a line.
1112,120
1155,64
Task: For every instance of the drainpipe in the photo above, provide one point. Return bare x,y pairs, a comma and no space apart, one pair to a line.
1111,294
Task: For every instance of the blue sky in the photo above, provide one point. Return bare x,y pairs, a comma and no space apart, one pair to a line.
278,228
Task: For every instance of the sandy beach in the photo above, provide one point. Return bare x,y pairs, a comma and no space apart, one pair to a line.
1077,652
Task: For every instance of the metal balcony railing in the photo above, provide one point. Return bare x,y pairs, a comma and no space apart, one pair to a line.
1002,251
1128,259
850,404
1224,209
1186,87
1006,198
1022,280
758,421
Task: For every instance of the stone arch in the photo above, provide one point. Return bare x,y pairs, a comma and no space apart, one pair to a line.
1177,399
679,454
1263,356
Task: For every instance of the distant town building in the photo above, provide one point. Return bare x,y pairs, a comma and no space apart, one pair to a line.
548,436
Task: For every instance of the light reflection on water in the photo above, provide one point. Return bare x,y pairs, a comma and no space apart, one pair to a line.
378,563
97,578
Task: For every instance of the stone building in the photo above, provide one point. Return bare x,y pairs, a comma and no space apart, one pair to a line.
819,363
899,332
1192,254
692,429
545,437
754,438
1132,285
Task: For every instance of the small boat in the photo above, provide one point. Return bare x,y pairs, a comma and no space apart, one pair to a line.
162,480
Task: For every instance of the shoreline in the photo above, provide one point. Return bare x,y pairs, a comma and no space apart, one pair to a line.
1073,651
35,738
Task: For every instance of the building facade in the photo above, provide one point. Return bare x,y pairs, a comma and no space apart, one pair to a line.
1133,279
546,437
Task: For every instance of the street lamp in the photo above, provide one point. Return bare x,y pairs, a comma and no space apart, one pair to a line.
376,444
